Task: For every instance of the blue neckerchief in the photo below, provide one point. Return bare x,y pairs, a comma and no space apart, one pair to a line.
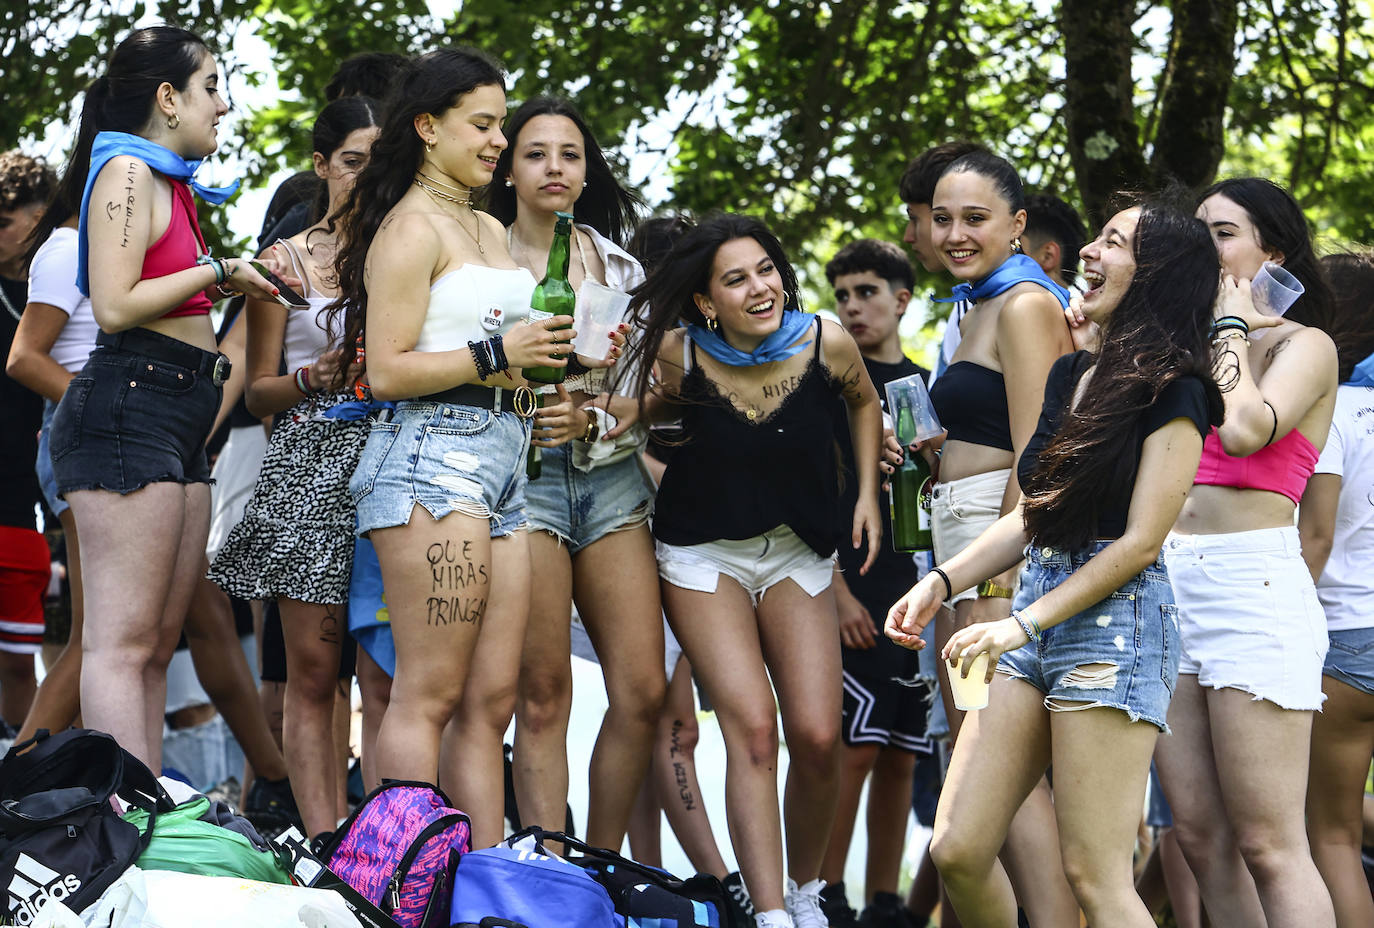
1017,269
109,145
353,410
1363,375
776,347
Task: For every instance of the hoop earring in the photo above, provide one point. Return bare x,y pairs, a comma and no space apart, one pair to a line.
429,148
712,325
173,121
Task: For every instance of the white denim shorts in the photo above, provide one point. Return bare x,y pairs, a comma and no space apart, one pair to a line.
1249,615
960,511
757,563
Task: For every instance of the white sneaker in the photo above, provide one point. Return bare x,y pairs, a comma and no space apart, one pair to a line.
804,904
774,918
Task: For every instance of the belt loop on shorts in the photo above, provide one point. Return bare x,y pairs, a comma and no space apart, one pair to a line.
170,350
520,400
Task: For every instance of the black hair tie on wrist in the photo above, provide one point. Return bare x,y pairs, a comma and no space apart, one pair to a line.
949,587
1275,430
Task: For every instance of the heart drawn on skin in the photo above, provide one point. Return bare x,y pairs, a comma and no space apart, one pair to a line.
112,210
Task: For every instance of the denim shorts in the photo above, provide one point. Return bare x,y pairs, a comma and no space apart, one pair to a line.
1350,658
581,506
960,511
447,458
138,413
42,466
757,563
1250,613
1134,630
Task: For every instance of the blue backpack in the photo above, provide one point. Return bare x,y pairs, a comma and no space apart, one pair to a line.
519,882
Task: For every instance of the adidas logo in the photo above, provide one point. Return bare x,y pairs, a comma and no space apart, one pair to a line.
34,886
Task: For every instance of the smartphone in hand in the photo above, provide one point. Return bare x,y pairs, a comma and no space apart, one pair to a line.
285,296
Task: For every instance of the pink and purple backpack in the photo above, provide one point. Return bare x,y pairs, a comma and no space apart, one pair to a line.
399,848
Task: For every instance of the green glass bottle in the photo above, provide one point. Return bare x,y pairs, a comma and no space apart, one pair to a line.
909,500
553,296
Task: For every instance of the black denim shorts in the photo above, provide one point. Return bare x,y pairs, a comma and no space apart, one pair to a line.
139,412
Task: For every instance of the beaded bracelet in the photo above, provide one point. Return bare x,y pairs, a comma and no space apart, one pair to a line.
1028,624
1030,636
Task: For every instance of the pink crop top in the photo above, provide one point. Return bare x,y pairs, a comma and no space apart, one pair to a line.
178,249
1282,467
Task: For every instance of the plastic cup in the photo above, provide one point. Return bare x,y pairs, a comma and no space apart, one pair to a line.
1274,290
911,410
970,692
599,310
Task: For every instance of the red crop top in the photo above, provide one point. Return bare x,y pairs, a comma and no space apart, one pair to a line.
178,249
1282,467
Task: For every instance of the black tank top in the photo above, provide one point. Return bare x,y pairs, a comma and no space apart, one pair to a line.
971,401
736,479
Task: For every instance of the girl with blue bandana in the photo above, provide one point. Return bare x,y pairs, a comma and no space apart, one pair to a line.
744,529
128,437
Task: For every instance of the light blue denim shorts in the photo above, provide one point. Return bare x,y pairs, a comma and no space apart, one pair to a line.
447,458
1129,642
581,506
47,480
1350,658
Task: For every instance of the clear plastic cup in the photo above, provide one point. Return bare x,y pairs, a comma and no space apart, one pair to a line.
1274,290
970,692
912,412
599,310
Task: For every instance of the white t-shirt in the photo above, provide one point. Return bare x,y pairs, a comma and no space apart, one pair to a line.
1346,586
52,280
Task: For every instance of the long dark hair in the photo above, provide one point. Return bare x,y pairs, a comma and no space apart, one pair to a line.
334,124
665,299
432,83
121,100
1157,334
1282,227
1351,275
604,205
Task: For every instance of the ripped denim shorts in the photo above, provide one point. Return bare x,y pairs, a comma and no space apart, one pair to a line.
1121,653
445,458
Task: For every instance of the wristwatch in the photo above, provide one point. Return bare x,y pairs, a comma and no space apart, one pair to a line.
989,589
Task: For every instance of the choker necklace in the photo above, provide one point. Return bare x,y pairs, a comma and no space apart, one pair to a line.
460,195
436,195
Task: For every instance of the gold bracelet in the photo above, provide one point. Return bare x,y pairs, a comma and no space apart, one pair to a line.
590,432
1232,333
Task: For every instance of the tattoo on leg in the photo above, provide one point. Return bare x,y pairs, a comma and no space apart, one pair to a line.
675,751
459,587
329,626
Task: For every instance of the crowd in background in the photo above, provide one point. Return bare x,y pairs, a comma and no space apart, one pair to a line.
1149,505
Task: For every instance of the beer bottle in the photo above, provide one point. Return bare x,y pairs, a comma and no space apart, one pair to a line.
554,295
910,504
534,458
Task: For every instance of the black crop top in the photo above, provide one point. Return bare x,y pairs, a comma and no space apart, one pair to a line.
735,479
1184,398
971,401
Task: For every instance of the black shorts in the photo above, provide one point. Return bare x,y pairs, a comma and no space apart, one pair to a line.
274,649
885,699
138,413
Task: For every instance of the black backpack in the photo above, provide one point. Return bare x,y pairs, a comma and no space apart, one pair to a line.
60,837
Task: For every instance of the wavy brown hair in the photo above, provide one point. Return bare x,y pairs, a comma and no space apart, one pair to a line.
432,83
1157,334
1351,276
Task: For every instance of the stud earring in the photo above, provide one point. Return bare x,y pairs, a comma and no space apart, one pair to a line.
173,121
509,182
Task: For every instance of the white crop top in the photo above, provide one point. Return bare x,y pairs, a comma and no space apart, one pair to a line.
472,303
307,330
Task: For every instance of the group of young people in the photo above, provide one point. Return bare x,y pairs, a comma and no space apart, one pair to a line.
1114,503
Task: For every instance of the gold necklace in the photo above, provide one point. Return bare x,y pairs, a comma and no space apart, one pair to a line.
751,410
436,195
461,195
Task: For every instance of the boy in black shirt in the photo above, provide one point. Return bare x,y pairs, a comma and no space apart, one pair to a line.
885,703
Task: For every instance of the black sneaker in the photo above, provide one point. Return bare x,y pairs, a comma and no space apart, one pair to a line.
271,807
886,911
836,907
738,897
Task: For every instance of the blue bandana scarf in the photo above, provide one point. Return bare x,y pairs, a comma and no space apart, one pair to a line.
775,347
109,145
1363,375
1015,270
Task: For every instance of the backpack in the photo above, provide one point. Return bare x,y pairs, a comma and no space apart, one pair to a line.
519,882
60,836
398,850
647,897
206,838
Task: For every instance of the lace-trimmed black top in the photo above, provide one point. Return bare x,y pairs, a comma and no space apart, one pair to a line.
736,478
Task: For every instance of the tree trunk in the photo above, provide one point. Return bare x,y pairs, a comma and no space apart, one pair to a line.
1190,142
